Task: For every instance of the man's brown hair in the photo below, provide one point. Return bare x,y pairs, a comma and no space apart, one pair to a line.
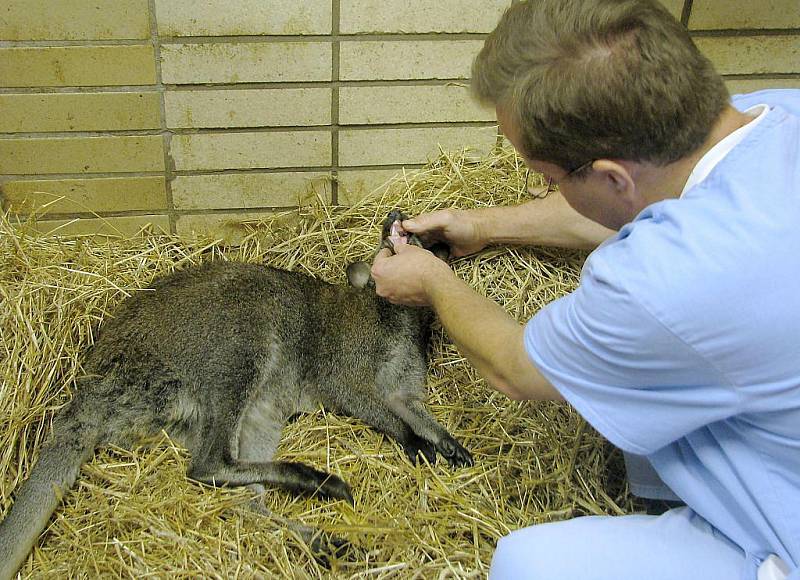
592,79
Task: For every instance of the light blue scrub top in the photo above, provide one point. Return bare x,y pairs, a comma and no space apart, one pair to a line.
682,342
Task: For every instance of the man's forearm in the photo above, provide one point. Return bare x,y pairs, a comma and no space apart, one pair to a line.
491,340
543,222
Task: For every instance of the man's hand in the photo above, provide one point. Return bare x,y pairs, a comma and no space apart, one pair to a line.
460,229
403,278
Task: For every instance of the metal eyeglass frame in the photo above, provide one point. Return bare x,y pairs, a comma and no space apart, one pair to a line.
549,188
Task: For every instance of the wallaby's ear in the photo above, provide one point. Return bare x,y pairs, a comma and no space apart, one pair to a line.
358,274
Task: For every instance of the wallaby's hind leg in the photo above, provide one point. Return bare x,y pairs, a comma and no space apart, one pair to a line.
259,435
213,463
375,412
413,412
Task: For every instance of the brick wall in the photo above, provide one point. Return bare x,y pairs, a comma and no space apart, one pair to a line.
190,114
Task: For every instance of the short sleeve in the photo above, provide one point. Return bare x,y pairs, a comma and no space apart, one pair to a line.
630,377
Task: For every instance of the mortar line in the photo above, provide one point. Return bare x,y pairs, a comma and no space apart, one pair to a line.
77,90
335,72
49,135
338,37
761,76
686,13
399,83
321,169
74,43
743,32
159,212
202,86
54,215
166,135
334,36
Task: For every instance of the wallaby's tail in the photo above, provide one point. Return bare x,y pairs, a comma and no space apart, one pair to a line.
70,445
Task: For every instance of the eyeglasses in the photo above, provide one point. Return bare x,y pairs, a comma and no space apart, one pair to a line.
549,189
579,168
544,193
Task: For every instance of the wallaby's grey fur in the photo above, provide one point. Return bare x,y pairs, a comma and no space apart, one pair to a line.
220,356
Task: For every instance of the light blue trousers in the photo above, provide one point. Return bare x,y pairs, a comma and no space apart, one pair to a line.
678,545
643,480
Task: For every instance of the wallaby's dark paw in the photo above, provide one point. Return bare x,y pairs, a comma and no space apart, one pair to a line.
325,546
416,445
440,250
305,479
335,488
454,452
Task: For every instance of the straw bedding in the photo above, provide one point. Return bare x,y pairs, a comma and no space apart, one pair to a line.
133,513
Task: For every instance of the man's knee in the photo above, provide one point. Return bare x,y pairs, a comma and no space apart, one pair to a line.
535,552
677,544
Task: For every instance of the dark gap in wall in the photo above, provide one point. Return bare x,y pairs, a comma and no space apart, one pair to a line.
157,212
687,12
335,65
320,84
335,36
764,76
167,136
739,32
68,43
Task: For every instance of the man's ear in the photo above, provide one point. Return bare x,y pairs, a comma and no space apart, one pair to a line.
358,274
619,176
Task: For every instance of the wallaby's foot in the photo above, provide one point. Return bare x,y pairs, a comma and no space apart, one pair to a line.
415,444
324,546
296,477
454,452
330,486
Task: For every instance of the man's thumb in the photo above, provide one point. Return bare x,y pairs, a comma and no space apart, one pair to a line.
411,225
421,223
383,253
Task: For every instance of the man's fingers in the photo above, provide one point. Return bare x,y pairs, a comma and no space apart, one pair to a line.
383,253
425,223
402,248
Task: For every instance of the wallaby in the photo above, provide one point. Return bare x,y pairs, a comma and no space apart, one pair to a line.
220,356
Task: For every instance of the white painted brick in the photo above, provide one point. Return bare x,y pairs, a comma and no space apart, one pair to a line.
713,14
74,19
74,66
252,150
674,6
752,54
397,146
242,17
85,195
358,184
408,59
107,154
112,226
41,112
248,108
245,62
736,86
397,104
228,227
247,190
399,16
